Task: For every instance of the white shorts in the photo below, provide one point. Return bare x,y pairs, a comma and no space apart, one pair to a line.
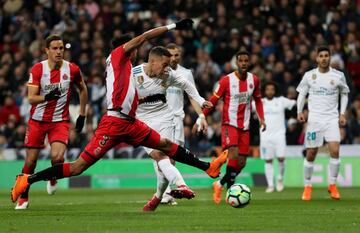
179,131
317,132
166,129
271,147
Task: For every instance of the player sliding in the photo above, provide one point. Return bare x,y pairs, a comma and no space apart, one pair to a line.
119,123
273,141
237,89
324,85
152,79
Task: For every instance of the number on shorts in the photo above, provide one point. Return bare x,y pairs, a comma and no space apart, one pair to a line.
311,136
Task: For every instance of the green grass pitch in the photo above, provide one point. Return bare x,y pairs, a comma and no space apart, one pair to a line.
119,210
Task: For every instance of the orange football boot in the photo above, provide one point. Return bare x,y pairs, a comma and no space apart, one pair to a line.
217,192
334,192
20,186
307,193
214,170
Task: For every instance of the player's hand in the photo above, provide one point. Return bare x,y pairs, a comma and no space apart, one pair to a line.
262,125
201,126
53,95
79,123
184,24
207,104
342,120
301,117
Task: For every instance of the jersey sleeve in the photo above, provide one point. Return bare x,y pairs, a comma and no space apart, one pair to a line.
35,75
287,103
257,90
117,55
303,86
78,77
344,89
187,86
221,87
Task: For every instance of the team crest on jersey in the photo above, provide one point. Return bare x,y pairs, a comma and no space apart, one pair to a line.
332,82
140,79
251,86
65,76
313,76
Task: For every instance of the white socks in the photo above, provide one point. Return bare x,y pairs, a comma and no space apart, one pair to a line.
269,174
162,182
281,170
308,170
171,173
334,167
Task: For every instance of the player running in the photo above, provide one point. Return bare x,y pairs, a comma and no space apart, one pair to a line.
49,92
273,140
175,99
156,113
119,123
324,85
237,90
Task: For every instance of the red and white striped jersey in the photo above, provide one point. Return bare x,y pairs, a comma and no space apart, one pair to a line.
46,79
237,95
121,90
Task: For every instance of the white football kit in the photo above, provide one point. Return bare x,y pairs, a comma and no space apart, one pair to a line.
175,99
153,108
273,139
324,90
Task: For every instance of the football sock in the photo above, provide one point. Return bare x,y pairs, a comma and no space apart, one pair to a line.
334,169
171,173
27,170
308,170
161,182
231,173
58,171
281,170
269,174
183,155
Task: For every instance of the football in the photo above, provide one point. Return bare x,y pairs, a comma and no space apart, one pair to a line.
238,195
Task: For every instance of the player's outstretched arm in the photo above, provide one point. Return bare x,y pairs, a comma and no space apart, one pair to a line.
83,96
300,106
153,33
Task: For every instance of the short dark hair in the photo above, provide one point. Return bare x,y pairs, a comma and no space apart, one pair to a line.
173,46
117,41
322,48
159,51
242,52
51,38
270,83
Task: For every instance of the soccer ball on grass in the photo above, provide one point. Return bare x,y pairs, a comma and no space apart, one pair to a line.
238,195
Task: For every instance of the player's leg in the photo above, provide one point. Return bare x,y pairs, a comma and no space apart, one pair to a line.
280,154
34,141
179,189
161,185
332,136
314,138
101,142
178,153
58,136
267,152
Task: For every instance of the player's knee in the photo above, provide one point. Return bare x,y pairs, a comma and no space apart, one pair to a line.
158,155
165,144
281,159
77,168
269,161
242,161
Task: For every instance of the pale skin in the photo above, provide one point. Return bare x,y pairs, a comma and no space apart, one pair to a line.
55,54
323,61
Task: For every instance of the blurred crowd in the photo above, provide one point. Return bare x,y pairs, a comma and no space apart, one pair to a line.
281,35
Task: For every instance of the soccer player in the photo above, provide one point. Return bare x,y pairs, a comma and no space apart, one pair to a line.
175,99
237,90
156,113
119,123
324,85
49,91
273,140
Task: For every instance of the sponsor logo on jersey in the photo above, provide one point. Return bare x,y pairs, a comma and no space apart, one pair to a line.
52,86
243,97
332,82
